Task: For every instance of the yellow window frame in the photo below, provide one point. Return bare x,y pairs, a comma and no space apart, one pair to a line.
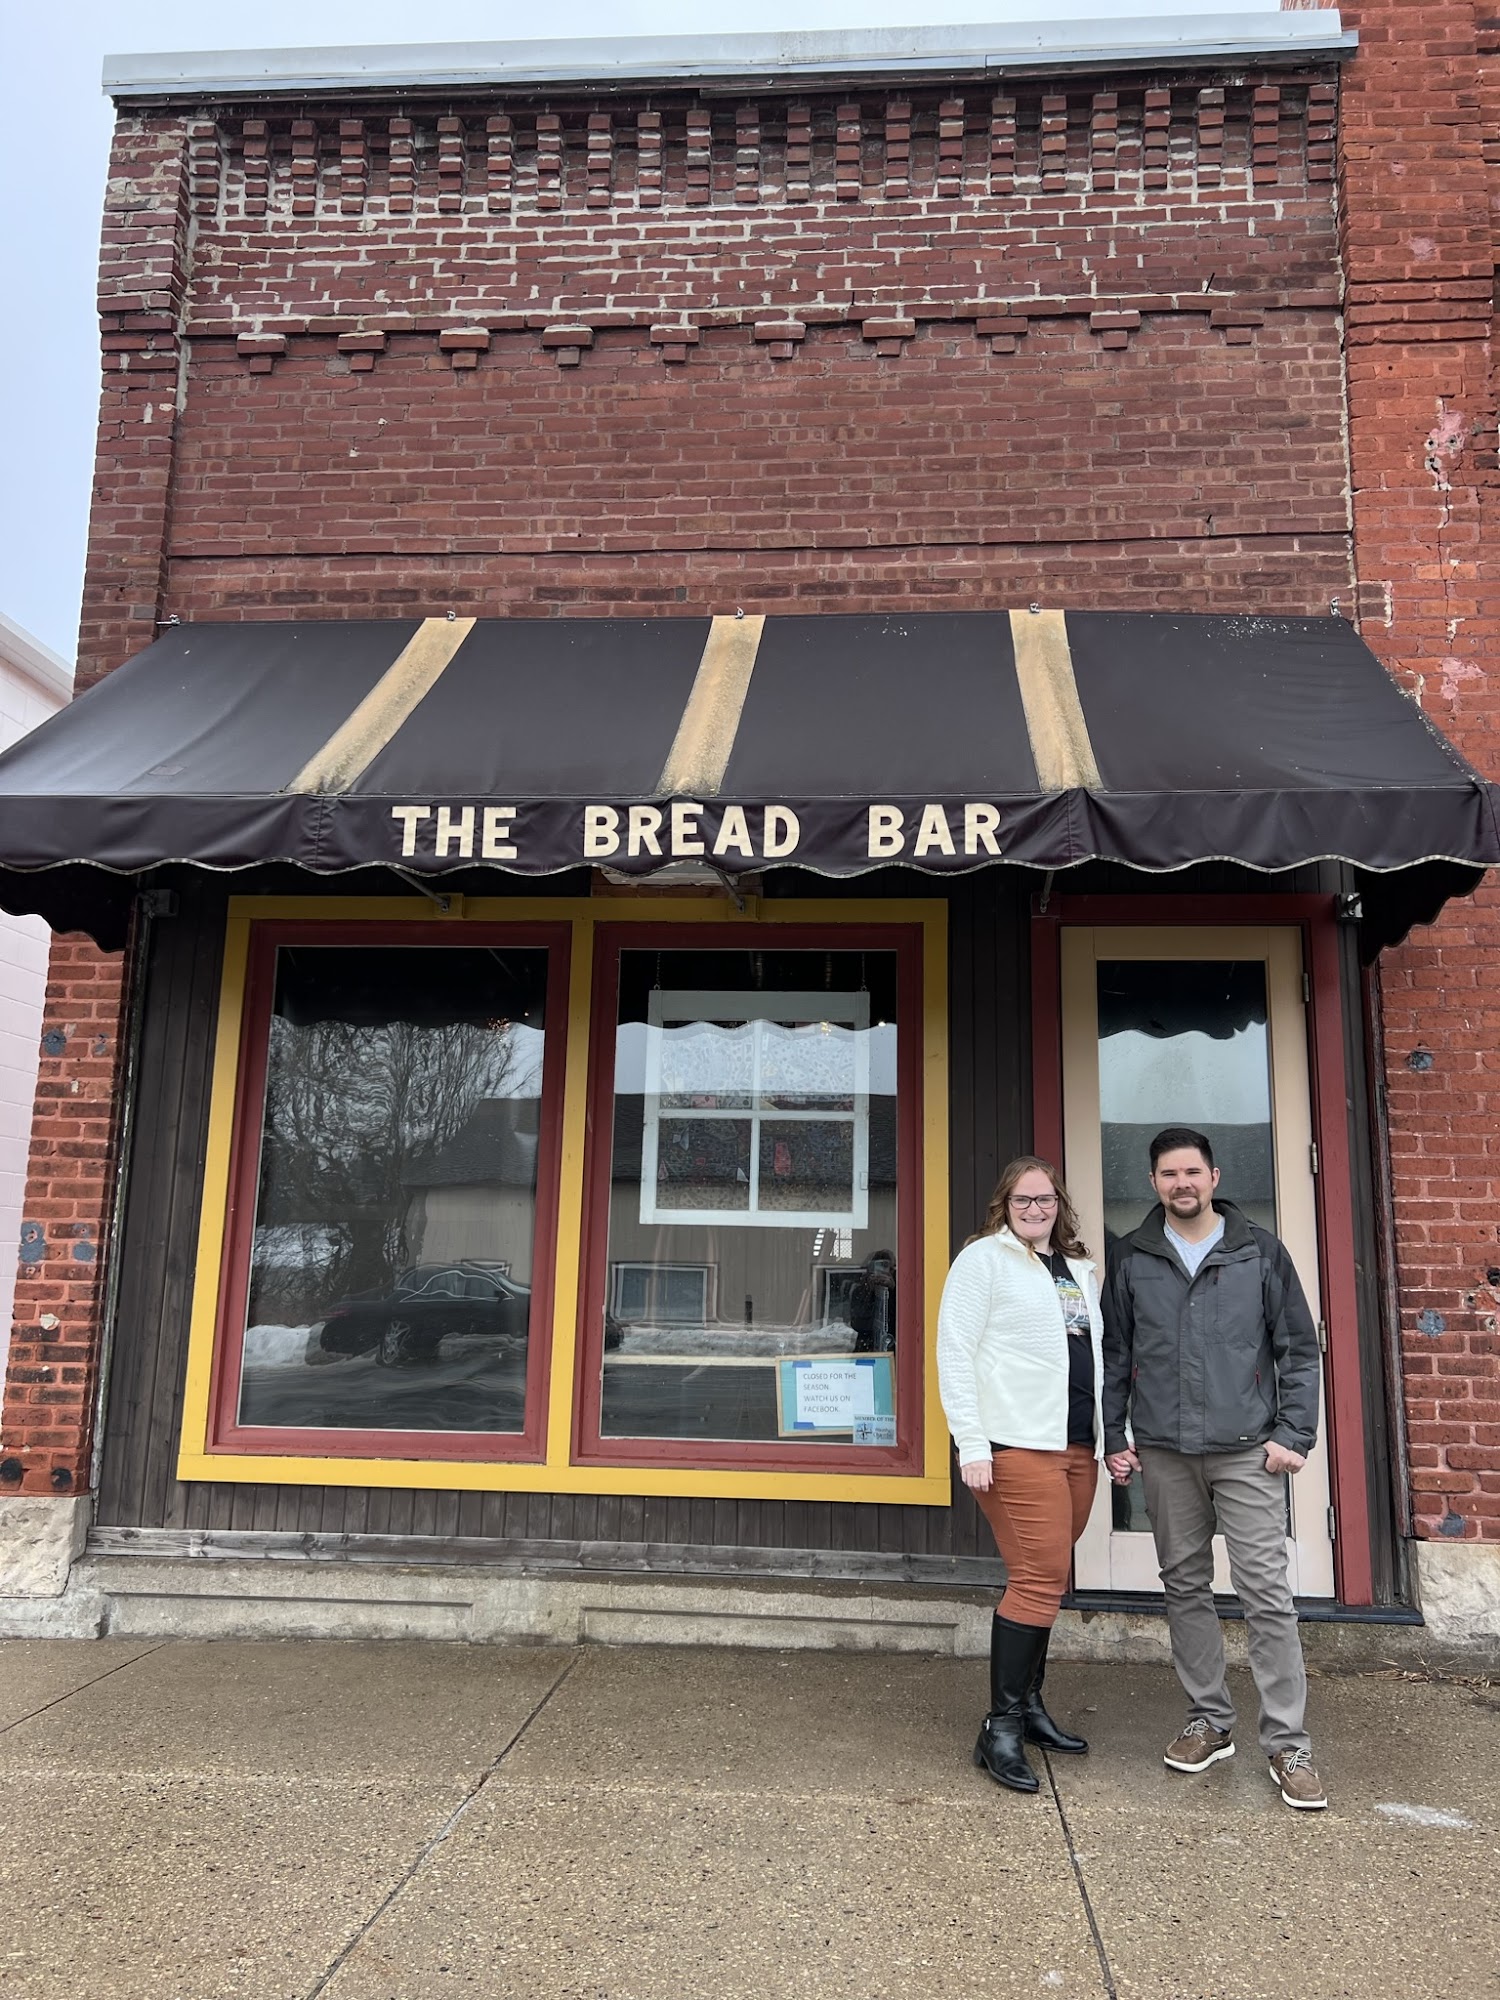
557,1473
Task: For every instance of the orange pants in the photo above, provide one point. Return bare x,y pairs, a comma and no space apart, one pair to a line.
1036,1506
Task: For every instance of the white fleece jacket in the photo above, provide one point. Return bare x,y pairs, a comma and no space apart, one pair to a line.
1002,1349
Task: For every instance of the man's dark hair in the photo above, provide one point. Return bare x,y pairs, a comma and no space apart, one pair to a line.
1177,1138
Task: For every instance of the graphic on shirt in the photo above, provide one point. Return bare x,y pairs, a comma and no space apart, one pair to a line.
1075,1308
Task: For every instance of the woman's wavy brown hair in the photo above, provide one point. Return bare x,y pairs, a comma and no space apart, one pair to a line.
1065,1235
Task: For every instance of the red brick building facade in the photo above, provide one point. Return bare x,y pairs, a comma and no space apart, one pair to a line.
1175,337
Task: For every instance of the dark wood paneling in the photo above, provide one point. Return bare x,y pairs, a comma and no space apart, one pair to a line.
990,1120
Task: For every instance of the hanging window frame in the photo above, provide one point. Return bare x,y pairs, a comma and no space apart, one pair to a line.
547,1459
804,1009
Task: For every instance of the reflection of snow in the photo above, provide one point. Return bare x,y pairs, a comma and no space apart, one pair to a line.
747,1343
277,1346
1190,1079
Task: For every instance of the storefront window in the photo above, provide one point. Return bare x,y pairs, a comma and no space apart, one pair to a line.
753,1198
390,1274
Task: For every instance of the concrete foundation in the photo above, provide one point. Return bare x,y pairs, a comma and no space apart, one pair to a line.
1460,1590
208,1596
40,1540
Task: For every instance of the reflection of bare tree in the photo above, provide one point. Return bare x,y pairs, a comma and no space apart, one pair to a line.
350,1111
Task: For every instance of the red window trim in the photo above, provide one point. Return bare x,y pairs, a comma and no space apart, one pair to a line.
226,1433
1316,918
588,1447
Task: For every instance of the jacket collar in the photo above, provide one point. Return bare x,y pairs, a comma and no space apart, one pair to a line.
1151,1236
1013,1245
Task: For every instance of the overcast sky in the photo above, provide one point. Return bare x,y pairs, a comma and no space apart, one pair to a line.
54,147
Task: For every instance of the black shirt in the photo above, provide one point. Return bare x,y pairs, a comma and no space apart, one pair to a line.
1080,1349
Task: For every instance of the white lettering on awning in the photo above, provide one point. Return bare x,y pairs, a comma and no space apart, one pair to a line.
455,828
933,831
411,818
601,832
886,836
495,844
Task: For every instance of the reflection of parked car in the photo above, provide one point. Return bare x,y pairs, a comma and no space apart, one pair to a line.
428,1303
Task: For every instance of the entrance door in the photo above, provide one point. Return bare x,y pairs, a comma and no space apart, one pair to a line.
1205,1028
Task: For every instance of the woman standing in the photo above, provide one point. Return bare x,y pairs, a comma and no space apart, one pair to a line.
1020,1371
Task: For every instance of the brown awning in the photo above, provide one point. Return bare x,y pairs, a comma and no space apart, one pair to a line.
939,741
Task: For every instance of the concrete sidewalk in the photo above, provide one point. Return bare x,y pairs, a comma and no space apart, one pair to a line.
391,1822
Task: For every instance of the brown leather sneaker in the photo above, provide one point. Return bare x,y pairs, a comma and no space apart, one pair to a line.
1297,1781
1199,1745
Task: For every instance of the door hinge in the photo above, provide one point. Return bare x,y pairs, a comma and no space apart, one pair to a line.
1333,1531
1312,1156
1322,1336
1306,989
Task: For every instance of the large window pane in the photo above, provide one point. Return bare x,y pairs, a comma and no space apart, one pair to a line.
752,1224
391,1268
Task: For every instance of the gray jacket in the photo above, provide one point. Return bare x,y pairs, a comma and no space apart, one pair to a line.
1228,1360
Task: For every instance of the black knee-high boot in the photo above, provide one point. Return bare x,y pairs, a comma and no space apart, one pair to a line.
1014,1651
1040,1728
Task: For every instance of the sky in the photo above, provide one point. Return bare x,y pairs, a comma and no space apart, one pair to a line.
54,149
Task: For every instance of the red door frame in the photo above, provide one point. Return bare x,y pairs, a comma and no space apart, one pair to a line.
588,1446
1332,1088
226,1433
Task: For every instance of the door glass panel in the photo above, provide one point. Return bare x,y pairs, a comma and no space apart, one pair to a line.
391,1265
1182,1042
753,1198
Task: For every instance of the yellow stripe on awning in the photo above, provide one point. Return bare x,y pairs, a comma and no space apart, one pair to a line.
699,755
1060,746
360,738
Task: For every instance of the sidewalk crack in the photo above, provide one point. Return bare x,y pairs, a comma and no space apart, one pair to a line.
58,1699
430,1847
1106,1972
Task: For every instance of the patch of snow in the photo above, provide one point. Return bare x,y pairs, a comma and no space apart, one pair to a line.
276,1346
1424,1815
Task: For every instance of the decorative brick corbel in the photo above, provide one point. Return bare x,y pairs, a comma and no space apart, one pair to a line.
361,349
261,350
463,345
1237,324
1265,136
780,337
567,344
1114,328
1001,327
889,335
673,342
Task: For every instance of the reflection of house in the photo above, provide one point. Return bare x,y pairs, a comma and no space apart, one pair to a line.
473,1197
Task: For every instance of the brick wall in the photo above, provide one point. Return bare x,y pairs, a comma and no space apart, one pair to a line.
1420,194
52,1372
1077,346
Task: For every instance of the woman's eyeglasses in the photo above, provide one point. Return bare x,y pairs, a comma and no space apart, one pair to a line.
1033,1201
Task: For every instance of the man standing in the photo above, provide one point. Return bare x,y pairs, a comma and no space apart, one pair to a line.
1211,1351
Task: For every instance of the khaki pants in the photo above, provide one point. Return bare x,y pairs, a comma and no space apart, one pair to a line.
1187,1498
